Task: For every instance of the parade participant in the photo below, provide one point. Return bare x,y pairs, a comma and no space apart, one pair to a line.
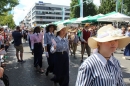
84,40
60,48
75,42
79,33
37,48
47,43
127,48
30,33
102,68
17,36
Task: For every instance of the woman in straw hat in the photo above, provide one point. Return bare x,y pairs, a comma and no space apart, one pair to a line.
60,48
102,68
47,44
127,48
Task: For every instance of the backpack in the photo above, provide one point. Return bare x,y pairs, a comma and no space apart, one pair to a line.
5,79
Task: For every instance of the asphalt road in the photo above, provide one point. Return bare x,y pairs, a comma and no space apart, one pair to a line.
25,74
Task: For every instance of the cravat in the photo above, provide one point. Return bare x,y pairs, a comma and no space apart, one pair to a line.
62,40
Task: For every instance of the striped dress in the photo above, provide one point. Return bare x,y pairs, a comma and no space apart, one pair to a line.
97,71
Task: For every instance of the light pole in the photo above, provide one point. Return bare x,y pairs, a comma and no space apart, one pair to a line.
122,6
81,8
116,5
63,13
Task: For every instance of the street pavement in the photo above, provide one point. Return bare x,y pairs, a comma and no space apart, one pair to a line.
24,74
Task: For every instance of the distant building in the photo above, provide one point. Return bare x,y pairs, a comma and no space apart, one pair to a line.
43,13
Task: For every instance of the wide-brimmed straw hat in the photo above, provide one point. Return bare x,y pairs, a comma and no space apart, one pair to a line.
61,26
73,30
87,25
109,33
30,29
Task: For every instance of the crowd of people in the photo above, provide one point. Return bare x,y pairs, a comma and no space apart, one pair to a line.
100,68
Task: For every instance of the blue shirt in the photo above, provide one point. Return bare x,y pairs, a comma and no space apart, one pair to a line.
127,33
61,45
17,36
97,71
47,38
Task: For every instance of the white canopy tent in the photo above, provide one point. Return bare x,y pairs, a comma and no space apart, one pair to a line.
115,17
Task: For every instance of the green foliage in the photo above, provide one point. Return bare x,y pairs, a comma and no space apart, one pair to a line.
7,5
7,20
126,7
88,9
107,6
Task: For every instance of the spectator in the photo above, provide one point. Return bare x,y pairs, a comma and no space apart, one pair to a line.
17,36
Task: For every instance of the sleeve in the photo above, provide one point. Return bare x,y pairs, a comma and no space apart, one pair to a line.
84,77
45,39
52,50
32,42
120,77
81,37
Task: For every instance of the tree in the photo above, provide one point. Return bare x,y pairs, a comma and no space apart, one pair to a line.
7,20
107,6
126,7
88,9
7,5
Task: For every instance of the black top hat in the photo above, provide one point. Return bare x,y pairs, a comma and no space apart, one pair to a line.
50,25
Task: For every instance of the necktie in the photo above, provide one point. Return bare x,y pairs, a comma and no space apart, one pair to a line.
51,34
62,40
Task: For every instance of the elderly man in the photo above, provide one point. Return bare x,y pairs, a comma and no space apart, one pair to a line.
84,40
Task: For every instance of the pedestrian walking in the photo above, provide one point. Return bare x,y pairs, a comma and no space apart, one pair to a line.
60,48
37,48
84,41
17,36
102,68
30,33
127,48
75,42
48,36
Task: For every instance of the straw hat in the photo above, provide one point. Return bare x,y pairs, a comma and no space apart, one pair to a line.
109,33
73,30
87,25
61,26
30,29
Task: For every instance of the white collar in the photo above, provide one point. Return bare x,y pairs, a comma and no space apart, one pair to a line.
51,33
36,33
60,38
102,59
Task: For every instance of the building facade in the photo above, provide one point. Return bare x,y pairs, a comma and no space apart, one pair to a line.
44,13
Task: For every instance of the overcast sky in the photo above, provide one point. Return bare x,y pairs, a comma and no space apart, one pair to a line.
22,9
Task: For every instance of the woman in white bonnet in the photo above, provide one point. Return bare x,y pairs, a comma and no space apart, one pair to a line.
102,68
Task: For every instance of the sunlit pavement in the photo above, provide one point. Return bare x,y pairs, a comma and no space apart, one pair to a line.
24,74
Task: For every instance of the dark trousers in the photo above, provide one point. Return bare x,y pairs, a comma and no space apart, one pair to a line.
61,68
29,42
38,54
50,60
83,47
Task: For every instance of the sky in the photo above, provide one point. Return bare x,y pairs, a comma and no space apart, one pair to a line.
21,10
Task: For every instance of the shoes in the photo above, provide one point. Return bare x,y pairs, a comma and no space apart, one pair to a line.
41,70
19,60
22,61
